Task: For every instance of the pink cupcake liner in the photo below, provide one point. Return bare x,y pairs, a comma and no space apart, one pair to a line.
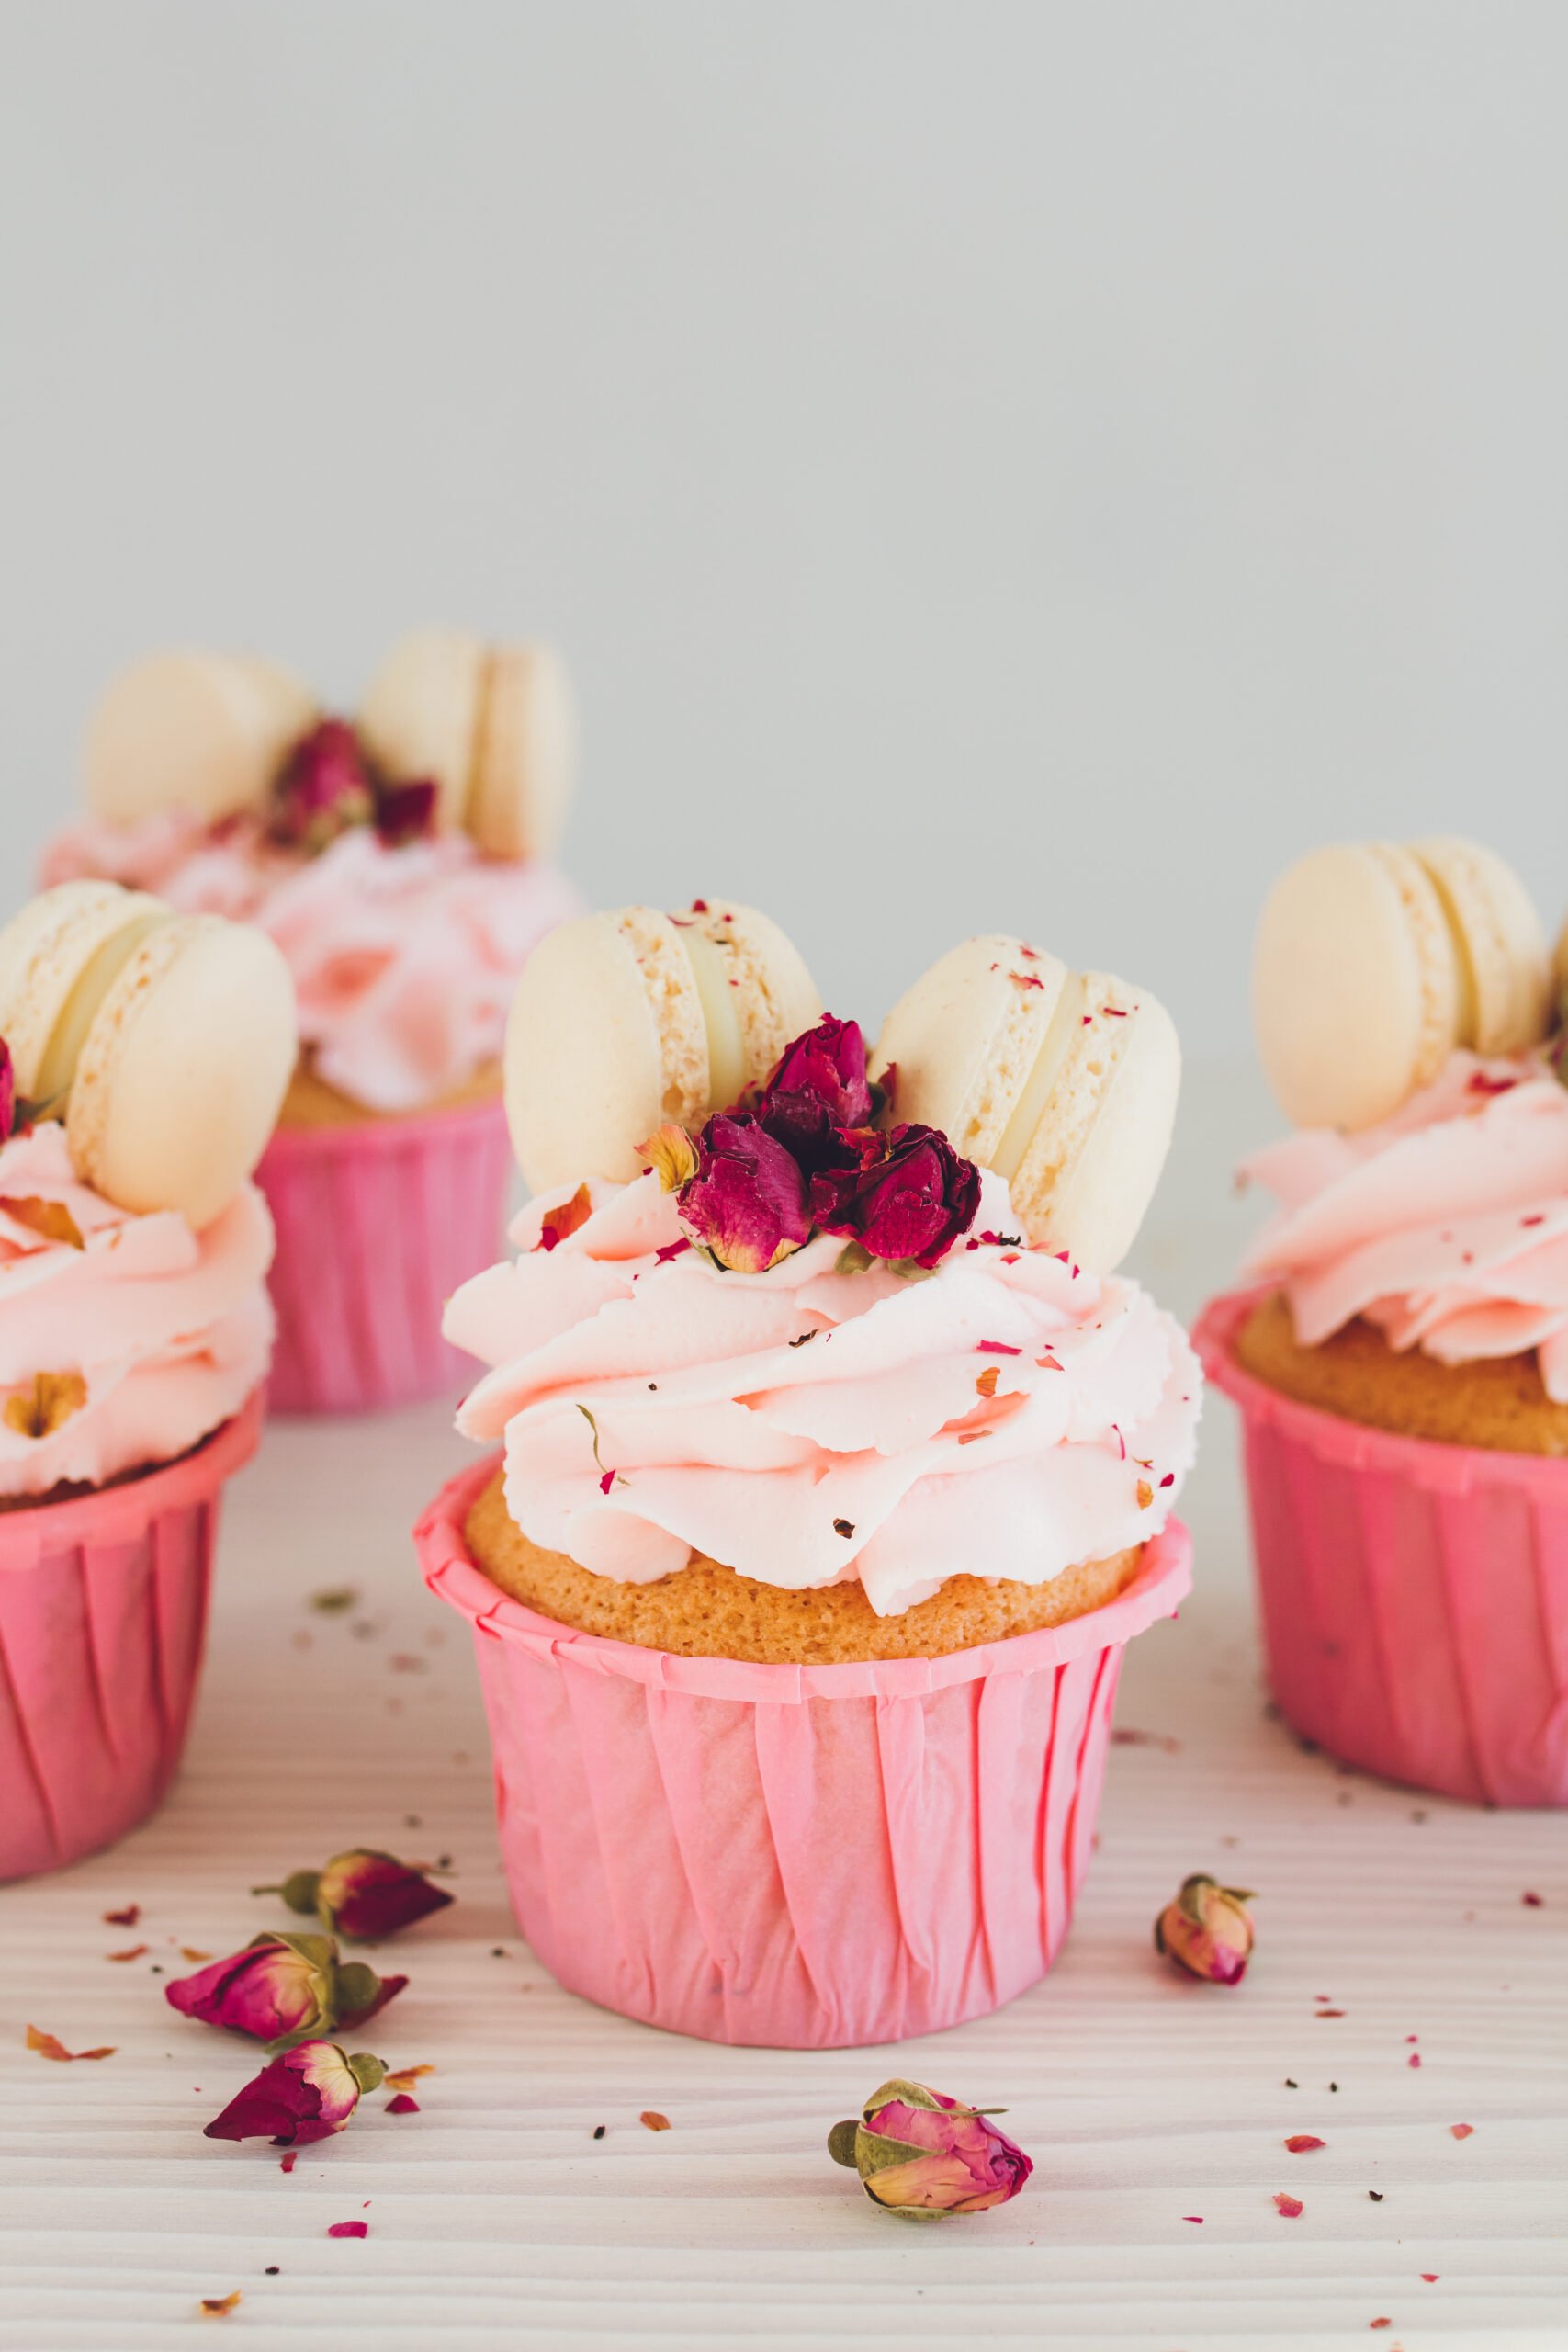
1415,1596
378,1224
103,1609
807,1856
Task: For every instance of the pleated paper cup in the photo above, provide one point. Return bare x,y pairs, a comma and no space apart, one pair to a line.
1415,1596
808,1857
378,1222
103,1609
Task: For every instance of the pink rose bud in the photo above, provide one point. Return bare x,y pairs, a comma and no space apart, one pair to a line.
308,2093
322,788
1207,1930
672,1154
284,1988
363,1895
818,1084
406,812
922,2154
909,1201
747,1202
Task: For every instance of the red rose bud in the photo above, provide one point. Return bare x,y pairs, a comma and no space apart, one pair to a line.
322,788
672,1154
922,2154
909,1199
7,1093
1207,1930
818,1083
406,812
284,1988
362,1895
747,1202
308,2093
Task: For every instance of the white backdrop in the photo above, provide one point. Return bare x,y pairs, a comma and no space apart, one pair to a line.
989,464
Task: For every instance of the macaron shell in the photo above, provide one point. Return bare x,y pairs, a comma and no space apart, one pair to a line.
1355,984
1560,969
967,1037
420,715
180,1081
1501,942
525,754
772,994
605,1040
44,951
1088,1176
202,731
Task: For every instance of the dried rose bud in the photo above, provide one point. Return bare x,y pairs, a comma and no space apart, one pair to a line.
322,788
7,1093
909,1201
1207,1930
308,2093
818,1084
922,2154
284,1988
362,1894
747,1202
672,1154
406,812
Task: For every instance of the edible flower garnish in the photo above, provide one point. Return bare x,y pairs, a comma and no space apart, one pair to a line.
747,1202
40,1407
921,2153
284,1990
322,788
308,2093
362,1894
1207,1930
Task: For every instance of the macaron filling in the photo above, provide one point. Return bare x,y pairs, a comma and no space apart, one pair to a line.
711,974
1061,1036
57,1069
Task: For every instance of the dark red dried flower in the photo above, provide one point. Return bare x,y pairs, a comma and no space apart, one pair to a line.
308,2093
7,1093
362,1894
818,1084
322,788
746,1202
406,812
910,1198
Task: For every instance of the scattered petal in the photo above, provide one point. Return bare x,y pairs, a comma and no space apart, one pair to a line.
557,1223
218,2306
1193,2217
348,2229
1460,2130
40,1406
51,1220
401,2076
1414,2059
288,2163
1431,2277
1330,2013
1300,2141
403,2104
653,2120
133,1951
126,1918
1533,1900
1287,2206
48,2046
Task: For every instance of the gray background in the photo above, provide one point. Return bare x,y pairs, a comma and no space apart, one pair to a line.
1024,465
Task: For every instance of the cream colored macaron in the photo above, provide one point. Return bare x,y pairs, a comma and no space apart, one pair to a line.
202,731
622,1021
492,725
164,1042
1064,1082
1374,960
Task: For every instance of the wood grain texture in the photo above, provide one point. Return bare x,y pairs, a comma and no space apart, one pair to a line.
497,2220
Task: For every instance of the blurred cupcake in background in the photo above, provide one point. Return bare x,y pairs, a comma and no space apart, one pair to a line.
403,864
143,1058
1400,1355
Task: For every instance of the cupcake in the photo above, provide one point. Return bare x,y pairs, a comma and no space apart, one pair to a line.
836,1471
1399,1352
401,864
145,1055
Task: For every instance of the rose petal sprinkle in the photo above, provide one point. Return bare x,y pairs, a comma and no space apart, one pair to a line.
1300,2141
1286,2205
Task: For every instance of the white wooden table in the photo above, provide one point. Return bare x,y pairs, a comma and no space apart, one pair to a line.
496,2216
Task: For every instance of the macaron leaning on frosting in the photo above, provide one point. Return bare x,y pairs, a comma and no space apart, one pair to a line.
1375,959
164,1042
1064,1082
493,725
622,1021
207,733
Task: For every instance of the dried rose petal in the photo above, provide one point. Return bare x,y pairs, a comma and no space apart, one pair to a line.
218,2306
348,2229
1300,2141
135,1953
672,1154
920,2153
1289,2206
401,2077
50,1220
126,1918
557,1223
746,1202
38,1408
362,1894
48,2045
307,2093
1207,1930
1461,2130
402,2104
653,2121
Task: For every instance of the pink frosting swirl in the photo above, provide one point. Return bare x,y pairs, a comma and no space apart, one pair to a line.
1447,1225
808,1427
404,960
166,1330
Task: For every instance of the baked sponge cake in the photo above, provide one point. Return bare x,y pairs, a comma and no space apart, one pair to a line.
827,1495
1401,1351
